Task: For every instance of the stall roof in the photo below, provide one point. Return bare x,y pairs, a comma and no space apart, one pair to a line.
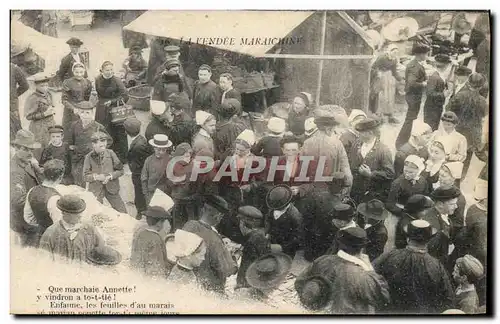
51,49
244,28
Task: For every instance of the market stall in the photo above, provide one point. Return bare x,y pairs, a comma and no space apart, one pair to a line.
306,50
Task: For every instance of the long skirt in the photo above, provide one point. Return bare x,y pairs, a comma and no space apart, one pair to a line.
40,129
117,132
387,96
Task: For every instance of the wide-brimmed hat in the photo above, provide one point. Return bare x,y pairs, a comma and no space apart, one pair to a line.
450,116
71,204
400,29
157,212
279,197
419,230
310,126
104,255
343,212
461,25
315,292
171,48
26,138
353,237
417,203
73,41
373,209
462,70
367,125
268,271
276,125
160,141
216,202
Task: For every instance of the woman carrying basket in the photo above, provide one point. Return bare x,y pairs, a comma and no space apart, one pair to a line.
112,93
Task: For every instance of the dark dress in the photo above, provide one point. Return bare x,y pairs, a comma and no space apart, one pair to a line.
286,230
154,127
149,254
205,97
268,146
256,245
226,133
296,121
377,235
113,90
182,129
349,138
354,289
401,190
18,86
73,91
438,245
418,282
433,107
138,152
61,153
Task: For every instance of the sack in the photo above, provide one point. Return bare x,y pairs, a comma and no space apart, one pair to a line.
120,113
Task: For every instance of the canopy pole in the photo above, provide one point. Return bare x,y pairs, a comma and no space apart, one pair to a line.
322,52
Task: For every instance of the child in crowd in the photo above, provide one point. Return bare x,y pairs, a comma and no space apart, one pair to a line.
57,149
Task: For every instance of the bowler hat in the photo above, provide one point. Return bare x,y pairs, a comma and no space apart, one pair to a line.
171,48
367,125
441,194
353,237
450,116
373,209
25,138
216,202
442,58
55,129
157,212
279,197
343,212
462,70
132,125
160,141
420,49
419,230
315,292
170,63
476,80
268,271
104,255
85,105
71,204
417,203
73,41
179,102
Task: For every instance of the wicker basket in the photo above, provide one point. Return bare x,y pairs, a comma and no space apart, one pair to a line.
139,97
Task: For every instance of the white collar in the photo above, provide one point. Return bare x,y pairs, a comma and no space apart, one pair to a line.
278,213
56,145
275,135
481,207
467,288
131,139
203,132
445,218
355,260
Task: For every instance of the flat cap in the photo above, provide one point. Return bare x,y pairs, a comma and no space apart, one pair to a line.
55,129
132,125
417,203
205,67
343,212
353,237
170,63
71,204
367,124
157,212
74,41
217,202
85,105
476,80
462,70
172,48
249,212
470,266
450,116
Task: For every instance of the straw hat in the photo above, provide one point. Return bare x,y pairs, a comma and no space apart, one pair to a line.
400,29
161,141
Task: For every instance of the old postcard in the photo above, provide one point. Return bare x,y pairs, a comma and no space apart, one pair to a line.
249,162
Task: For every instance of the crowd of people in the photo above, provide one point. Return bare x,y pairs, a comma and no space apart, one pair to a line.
381,233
